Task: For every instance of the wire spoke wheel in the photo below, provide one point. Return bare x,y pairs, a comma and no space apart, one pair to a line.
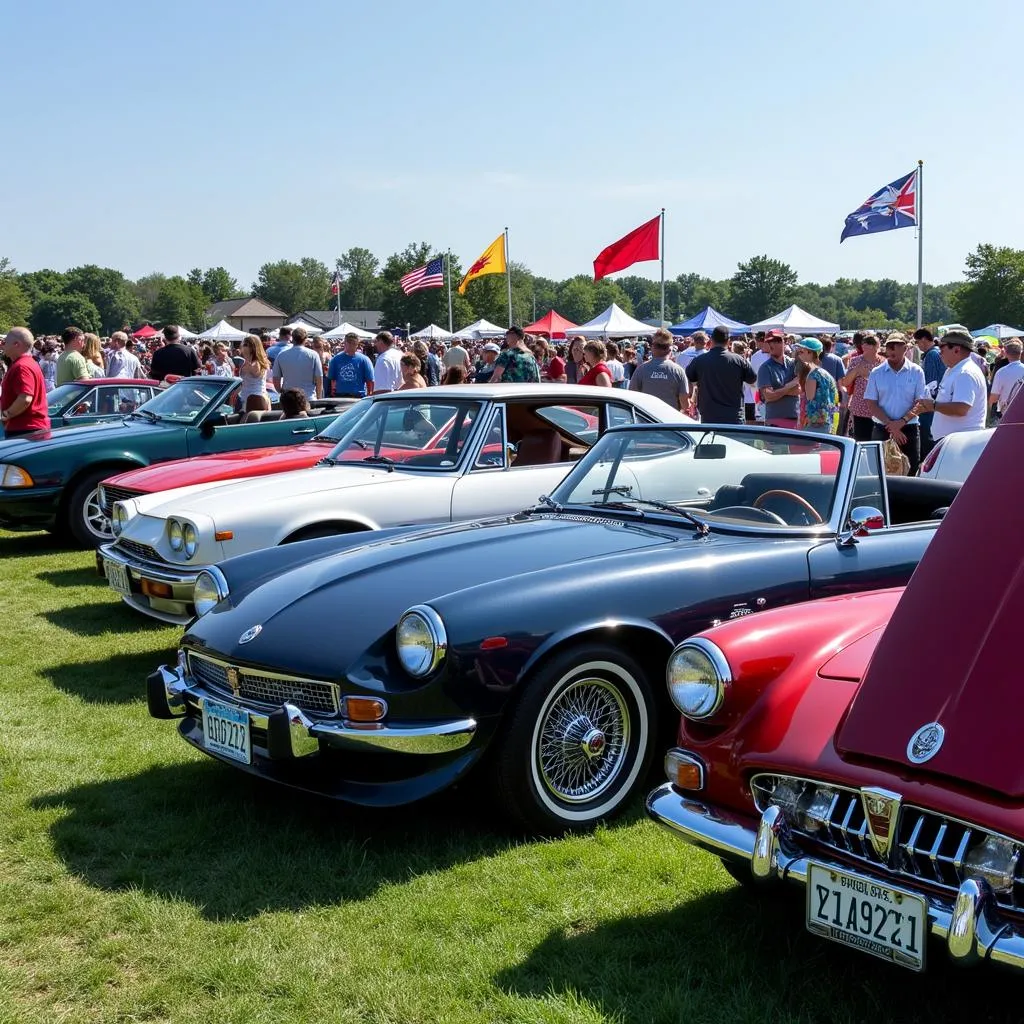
582,740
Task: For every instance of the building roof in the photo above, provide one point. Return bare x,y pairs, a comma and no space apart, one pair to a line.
367,319
249,306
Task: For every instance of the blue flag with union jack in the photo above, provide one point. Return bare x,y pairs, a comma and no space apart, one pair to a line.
892,206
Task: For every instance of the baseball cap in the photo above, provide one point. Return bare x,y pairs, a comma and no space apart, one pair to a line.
774,333
491,347
809,343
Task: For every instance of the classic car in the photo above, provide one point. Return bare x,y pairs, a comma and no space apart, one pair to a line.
414,457
98,399
379,671
867,747
955,455
50,479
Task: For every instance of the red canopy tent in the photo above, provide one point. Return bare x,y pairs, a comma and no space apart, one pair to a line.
145,332
554,325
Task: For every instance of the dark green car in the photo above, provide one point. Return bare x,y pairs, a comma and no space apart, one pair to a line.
95,400
49,480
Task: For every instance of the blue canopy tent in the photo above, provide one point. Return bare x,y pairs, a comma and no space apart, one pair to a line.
707,320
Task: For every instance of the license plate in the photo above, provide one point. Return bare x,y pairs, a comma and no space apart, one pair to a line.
117,577
226,731
859,912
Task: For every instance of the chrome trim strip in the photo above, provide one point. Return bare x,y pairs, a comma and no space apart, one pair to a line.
970,925
402,737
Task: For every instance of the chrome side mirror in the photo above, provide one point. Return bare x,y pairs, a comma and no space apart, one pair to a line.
863,520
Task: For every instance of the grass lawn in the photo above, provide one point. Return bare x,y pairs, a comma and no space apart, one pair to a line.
142,882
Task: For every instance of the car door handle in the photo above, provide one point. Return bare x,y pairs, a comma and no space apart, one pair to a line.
307,431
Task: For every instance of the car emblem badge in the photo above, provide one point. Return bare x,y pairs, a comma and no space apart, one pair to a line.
881,812
925,743
233,681
250,634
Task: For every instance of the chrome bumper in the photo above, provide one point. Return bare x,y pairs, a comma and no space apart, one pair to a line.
291,733
178,609
970,925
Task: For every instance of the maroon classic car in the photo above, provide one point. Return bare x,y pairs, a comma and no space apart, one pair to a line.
868,748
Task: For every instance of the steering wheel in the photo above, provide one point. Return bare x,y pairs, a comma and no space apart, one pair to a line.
754,515
805,505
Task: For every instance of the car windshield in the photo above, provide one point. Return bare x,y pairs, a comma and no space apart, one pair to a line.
343,423
414,432
184,401
60,397
724,476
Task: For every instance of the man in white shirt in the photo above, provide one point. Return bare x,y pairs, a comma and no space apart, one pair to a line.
962,399
387,371
456,356
1007,377
697,348
122,363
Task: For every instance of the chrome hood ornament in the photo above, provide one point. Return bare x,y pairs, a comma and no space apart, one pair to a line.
250,634
925,743
882,813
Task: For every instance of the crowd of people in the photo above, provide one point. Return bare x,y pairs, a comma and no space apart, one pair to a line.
912,390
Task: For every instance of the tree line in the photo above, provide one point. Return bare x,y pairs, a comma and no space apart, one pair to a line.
103,300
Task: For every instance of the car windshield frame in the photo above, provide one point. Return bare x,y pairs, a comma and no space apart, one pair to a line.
614,445
354,413
78,388
472,406
220,388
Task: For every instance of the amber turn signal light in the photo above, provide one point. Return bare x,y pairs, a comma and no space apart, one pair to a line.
684,771
365,709
152,589
224,535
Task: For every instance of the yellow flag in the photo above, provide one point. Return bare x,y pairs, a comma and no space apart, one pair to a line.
490,261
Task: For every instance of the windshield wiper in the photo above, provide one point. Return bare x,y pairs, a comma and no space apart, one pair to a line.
381,460
702,527
550,503
146,414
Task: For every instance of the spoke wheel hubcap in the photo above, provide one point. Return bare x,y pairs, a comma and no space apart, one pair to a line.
583,740
95,519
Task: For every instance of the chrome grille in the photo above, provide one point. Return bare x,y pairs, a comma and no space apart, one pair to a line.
143,551
112,494
269,690
930,847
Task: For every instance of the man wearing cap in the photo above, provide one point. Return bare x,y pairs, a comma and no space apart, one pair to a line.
1007,377
485,371
962,399
777,384
660,376
892,393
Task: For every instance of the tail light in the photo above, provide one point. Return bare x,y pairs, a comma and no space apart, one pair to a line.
926,466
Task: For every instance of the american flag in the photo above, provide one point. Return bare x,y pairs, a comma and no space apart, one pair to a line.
429,276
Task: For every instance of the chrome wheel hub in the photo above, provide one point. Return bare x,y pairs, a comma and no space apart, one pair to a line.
96,519
583,740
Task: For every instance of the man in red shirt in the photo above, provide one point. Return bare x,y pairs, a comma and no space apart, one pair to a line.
22,391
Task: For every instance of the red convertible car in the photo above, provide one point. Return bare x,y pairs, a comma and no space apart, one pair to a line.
867,747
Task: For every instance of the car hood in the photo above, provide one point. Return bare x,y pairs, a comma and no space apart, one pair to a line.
16,448
949,654
359,592
203,469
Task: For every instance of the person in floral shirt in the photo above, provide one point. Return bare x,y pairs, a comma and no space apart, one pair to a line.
856,380
516,364
819,395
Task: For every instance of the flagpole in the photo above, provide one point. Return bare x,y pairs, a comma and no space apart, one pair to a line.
448,267
920,247
508,276
662,247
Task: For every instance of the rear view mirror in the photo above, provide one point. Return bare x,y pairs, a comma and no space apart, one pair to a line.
709,451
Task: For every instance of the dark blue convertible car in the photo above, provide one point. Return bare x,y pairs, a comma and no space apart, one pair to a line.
532,647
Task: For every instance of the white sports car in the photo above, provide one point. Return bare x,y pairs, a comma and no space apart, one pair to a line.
414,457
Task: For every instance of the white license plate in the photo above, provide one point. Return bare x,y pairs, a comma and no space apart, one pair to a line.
117,577
226,731
859,912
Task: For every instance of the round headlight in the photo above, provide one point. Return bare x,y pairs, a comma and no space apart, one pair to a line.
697,677
119,519
191,542
421,640
211,588
175,536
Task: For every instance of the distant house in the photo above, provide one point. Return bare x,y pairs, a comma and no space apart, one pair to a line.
367,319
249,314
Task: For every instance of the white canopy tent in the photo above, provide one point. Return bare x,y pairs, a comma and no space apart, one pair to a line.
480,329
794,320
431,333
222,331
613,323
346,328
185,334
999,331
309,328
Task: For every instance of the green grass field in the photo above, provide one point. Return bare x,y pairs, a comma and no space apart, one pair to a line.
141,882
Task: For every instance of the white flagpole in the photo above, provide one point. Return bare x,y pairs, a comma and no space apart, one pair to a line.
448,269
662,248
508,276
920,247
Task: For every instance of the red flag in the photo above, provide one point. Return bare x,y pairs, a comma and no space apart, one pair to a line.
639,245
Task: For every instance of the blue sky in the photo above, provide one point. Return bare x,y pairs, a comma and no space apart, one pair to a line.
164,136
